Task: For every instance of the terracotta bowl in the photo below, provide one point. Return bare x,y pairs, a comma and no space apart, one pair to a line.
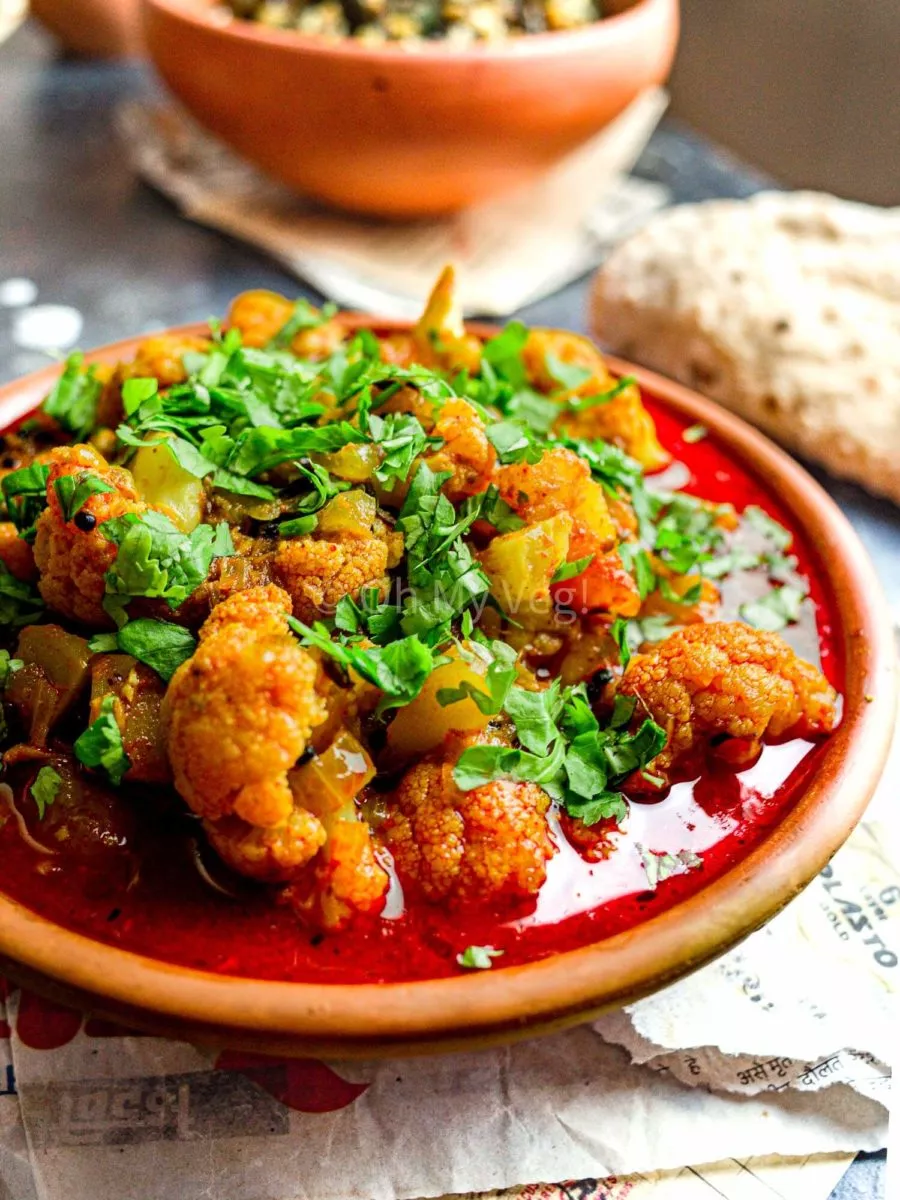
93,28
402,133
470,1010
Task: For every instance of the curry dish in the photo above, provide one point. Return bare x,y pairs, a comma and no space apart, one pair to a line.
358,628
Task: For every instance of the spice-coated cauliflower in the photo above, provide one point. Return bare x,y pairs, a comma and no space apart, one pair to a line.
727,687
350,551
345,881
560,483
486,845
74,556
239,713
267,855
466,451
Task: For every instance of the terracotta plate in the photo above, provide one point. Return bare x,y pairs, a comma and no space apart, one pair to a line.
366,1019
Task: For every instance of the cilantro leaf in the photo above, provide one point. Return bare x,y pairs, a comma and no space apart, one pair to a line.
398,669
100,746
156,559
694,433
771,529
569,375
259,449
402,439
44,790
297,527
8,666
73,491
777,608
504,353
569,570
25,495
303,317
73,401
478,958
566,752
513,442
499,678
160,644
534,715
577,403
658,866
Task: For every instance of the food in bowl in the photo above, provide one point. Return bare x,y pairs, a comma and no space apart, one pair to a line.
342,654
457,21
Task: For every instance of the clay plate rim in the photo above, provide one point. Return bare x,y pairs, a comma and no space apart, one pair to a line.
356,1019
611,32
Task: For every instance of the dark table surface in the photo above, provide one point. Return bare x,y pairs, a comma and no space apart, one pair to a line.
75,221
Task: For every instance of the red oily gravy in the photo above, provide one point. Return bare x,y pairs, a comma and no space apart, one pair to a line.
164,910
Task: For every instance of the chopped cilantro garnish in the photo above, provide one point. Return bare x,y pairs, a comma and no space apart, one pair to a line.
513,442
73,491
498,679
504,353
478,958
8,666
297,527
566,752
25,495
100,746
73,401
398,669
444,578
156,559
569,570
568,375
402,439
303,317
576,403
44,790
160,644
694,433
771,529
777,608
629,635
659,866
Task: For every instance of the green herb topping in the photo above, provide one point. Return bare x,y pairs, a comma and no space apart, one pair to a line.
44,790
100,746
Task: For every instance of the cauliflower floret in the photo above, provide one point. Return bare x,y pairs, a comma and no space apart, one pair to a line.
257,611
727,687
73,556
268,855
560,482
593,842
261,315
239,713
347,880
15,554
466,451
317,572
486,845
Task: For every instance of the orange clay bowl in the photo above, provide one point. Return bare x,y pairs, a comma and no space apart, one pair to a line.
499,1005
403,132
